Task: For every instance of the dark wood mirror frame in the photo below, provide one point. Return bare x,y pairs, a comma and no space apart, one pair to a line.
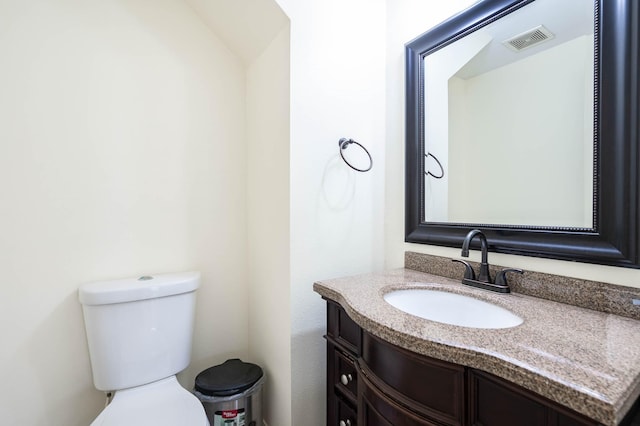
615,236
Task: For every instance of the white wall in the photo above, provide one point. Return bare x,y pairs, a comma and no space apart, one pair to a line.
121,153
337,90
268,225
406,19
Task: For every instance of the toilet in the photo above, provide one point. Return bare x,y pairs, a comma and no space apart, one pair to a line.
139,332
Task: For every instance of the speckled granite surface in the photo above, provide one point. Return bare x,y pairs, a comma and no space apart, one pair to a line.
586,360
603,297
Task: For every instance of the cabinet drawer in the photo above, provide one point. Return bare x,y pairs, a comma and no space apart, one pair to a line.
427,386
345,375
347,415
342,329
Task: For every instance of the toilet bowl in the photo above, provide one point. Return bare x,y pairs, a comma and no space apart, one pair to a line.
162,403
139,333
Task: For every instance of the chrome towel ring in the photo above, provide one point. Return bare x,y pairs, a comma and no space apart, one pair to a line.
344,143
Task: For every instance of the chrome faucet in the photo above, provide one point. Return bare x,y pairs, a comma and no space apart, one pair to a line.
484,277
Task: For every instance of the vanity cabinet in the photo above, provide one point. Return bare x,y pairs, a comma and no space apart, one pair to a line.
371,382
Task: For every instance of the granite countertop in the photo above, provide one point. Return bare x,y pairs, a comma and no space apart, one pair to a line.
583,359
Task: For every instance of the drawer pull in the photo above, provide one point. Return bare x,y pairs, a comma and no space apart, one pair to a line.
345,379
345,423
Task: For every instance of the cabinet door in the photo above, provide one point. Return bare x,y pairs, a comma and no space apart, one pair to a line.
496,402
495,405
376,409
430,387
569,420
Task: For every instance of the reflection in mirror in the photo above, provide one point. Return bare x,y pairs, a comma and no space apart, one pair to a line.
509,114
492,190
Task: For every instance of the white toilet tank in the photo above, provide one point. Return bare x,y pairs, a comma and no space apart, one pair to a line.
139,330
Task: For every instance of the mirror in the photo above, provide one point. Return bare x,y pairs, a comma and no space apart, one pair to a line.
513,99
534,143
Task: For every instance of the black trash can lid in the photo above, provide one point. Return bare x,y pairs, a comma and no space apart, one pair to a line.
231,377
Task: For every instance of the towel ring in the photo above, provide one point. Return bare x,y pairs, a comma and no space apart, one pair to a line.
427,155
344,143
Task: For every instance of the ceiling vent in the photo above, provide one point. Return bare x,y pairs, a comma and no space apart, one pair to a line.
529,38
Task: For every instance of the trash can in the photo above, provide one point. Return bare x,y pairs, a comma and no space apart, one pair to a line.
231,393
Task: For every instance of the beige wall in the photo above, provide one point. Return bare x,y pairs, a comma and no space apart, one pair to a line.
545,164
121,153
268,224
406,19
438,109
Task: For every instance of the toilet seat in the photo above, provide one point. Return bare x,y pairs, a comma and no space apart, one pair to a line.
161,403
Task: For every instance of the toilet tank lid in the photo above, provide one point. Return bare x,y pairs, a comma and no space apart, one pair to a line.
139,288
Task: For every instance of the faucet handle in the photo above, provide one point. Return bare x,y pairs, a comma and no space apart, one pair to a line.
468,270
501,276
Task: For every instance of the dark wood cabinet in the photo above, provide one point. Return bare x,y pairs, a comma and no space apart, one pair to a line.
497,402
346,414
431,388
344,339
377,409
371,382
491,403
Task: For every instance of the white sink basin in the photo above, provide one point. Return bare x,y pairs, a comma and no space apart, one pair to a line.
452,308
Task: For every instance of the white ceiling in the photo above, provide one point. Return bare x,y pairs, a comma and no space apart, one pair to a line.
245,26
